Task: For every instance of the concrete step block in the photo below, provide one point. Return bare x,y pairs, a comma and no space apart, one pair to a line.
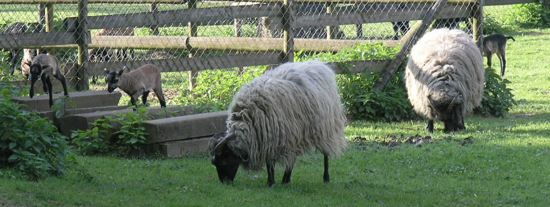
186,127
81,121
83,99
179,149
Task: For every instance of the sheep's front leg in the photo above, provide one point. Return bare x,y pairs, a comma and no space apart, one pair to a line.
144,97
288,171
133,100
430,126
326,176
270,174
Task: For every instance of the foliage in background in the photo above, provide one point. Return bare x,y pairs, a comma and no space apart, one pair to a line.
507,19
358,96
371,52
363,102
122,135
29,143
497,97
215,88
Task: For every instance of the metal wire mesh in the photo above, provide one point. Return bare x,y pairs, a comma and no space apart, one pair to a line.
249,32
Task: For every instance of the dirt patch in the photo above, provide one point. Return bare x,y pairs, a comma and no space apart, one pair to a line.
396,140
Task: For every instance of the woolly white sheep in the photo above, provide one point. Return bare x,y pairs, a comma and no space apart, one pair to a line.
445,77
138,82
46,66
278,116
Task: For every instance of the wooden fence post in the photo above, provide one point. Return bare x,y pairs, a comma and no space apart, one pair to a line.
477,24
288,34
192,4
154,10
49,17
409,40
82,39
331,30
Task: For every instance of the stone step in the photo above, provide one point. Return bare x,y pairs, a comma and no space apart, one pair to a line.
186,127
177,149
83,99
82,121
50,114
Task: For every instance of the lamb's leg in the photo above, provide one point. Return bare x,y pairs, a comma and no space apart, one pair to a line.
326,176
63,81
489,57
270,174
430,126
133,102
44,85
160,96
144,97
50,90
502,56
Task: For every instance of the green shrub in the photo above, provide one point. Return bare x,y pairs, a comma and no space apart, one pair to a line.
531,15
363,102
215,89
29,143
121,135
497,97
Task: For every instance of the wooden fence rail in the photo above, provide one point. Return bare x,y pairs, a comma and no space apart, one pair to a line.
278,12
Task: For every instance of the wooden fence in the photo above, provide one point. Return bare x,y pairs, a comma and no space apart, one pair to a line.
76,32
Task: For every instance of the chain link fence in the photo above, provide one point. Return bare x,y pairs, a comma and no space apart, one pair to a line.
188,36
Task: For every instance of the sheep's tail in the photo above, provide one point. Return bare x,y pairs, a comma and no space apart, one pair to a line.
510,37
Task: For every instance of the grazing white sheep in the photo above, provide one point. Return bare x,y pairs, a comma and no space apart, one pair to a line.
445,77
280,115
138,82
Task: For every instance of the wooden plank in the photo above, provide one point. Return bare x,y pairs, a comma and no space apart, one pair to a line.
195,63
226,43
507,2
359,66
174,17
36,40
353,1
374,16
92,1
488,3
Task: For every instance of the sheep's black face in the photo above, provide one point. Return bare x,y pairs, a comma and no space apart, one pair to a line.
112,80
227,163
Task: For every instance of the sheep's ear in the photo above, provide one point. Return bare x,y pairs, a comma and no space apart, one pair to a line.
120,72
236,116
222,144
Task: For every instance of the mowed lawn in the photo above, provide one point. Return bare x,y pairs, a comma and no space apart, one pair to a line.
495,162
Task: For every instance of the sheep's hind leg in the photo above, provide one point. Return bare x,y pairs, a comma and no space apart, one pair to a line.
270,174
430,126
63,81
50,92
326,176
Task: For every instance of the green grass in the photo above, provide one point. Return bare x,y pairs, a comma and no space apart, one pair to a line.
506,165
